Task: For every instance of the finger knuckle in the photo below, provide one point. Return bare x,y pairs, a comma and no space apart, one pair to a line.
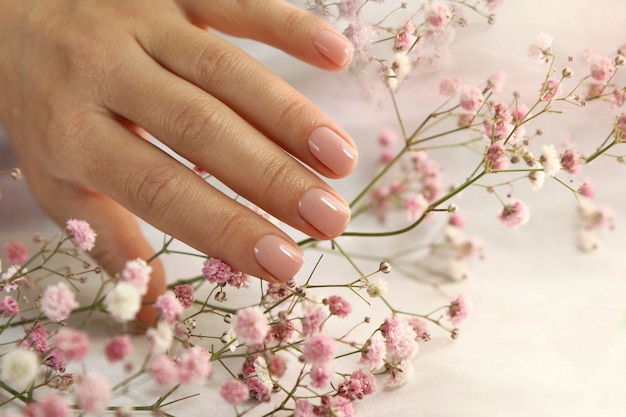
194,125
156,188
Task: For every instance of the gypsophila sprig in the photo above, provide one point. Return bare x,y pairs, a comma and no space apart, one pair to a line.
302,348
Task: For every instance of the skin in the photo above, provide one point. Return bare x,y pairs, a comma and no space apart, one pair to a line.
83,81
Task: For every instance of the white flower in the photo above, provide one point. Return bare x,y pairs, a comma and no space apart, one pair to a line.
400,374
123,301
537,178
391,79
550,160
540,45
401,65
160,337
262,372
377,287
457,270
587,240
19,367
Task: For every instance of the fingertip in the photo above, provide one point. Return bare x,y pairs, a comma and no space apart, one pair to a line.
334,47
334,152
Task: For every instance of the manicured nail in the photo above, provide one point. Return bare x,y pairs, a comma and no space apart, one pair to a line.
332,150
278,257
334,47
324,211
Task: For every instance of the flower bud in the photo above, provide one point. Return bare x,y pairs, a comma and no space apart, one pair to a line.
385,267
567,72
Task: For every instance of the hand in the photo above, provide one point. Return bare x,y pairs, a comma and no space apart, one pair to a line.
82,81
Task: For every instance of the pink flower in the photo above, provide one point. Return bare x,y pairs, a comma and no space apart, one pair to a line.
55,361
348,8
519,112
118,348
49,405
319,349
313,319
449,86
163,370
457,220
540,46
194,366
93,394
38,339
234,392
514,214
250,325
58,301
621,123
339,306
358,33
185,295
406,37
415,207
551,90
437,15
496,81
72,344
82,235
169,307
218,272
335,406
137,273
17,252
420,327
570,161
304,409
601,68
280,332
387,137
471,98
400,338
619,97
587,189
321,374
259,388
496,152
373,353
458,310
359,384
492,5
9,306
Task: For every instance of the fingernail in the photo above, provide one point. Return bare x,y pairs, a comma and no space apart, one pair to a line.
332,150
278,257
334,47
324,211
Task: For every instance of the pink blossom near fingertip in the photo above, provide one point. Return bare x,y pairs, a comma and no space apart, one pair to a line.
514,214
164,371
313,319
319,349
194,366
321,375
137,273
168,307
9,306
118,348
234,392
218,272
73,344
82,235
17,252
339,306
400,338
58,301
250,325
185,295
471,98
93,394
50,405
458,310
571,161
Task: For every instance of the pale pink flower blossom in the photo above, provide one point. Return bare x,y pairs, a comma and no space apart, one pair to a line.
12,278
185,295
619,97
602,68
313,319
471,98
50,405
587,189
94,394
304,409
550,160
17,252
431,189
58,301
551,89
359,384
250,325
449,86
594,90
540,46
83,237
347,8
9,306
72,344
571,161
160,337
234,392
457,220
319,349
339,306
621,123
279,333
519,112
118,348
123,302
406,37
437,15
493,5
218,272
514,214
335,406
359,34
163,370
387,137
496,82
169,307
400,338
321,374
137,273
38,338
194,366
495,152
458,310
415,207
55,361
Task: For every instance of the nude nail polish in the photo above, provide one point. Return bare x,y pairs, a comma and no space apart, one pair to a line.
332,150
324,211
278,257
334,47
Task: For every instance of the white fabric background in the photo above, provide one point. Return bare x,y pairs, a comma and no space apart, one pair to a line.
547,336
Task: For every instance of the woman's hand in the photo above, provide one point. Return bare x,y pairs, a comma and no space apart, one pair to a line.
82,81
